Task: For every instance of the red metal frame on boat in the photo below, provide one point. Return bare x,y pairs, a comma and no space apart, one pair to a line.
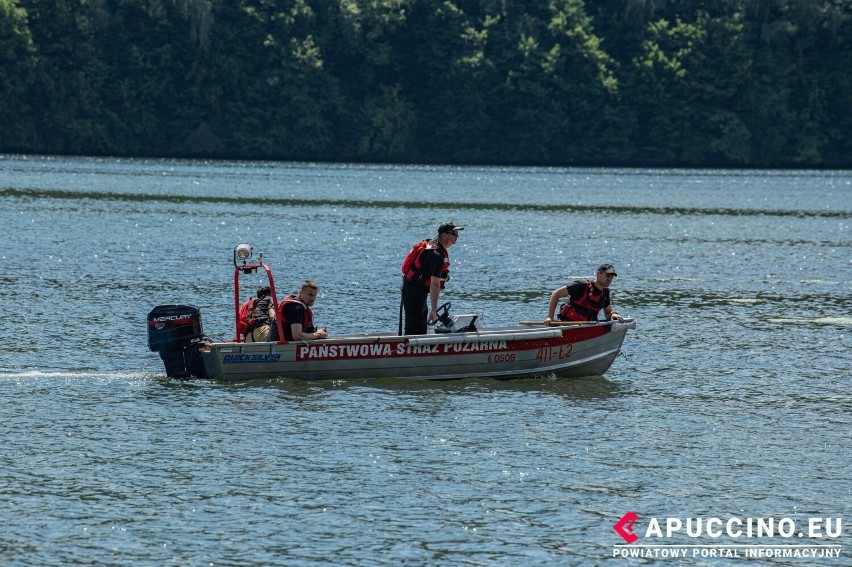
250,269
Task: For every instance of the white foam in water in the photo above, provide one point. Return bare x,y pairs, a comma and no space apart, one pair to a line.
818,320
72,374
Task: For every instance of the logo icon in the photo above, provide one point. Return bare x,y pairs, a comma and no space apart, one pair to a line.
624,527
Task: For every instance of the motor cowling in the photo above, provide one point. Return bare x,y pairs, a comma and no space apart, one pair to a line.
175,332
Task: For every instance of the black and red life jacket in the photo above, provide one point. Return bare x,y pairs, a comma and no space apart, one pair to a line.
586,307
307,317
414,270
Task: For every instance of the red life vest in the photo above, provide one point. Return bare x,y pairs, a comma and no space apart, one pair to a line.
246,320
307,317
415,274
586,307
412,257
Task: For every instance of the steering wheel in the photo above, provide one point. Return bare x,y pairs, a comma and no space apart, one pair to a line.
443,313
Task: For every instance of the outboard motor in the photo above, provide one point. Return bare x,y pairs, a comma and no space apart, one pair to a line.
175,332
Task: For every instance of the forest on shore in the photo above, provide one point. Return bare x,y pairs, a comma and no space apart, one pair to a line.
691,83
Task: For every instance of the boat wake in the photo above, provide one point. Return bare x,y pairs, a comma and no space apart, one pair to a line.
73,375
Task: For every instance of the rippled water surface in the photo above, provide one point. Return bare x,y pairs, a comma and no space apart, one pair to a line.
732,399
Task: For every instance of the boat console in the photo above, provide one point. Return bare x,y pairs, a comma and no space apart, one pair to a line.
460,324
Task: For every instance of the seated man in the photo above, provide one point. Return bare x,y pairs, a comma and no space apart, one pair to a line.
297,319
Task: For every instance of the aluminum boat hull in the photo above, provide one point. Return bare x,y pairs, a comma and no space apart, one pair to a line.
580,350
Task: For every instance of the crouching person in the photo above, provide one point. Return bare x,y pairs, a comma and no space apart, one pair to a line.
259,321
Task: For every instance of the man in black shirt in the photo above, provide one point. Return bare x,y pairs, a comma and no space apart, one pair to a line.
585,298
297,319
426,279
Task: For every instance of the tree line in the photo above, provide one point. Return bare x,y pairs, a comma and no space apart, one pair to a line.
697,83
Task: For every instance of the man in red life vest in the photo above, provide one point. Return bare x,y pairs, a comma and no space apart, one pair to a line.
297,319
426,279
585,298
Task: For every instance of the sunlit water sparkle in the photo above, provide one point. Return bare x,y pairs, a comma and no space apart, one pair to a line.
731,399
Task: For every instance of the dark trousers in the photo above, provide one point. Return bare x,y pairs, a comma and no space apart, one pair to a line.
273,332
416,311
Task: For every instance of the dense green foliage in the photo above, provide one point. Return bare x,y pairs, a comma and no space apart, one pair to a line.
734,83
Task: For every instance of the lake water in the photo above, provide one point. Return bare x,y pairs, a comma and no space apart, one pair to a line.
732,399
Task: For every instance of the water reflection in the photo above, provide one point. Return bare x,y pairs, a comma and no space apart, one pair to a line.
579,389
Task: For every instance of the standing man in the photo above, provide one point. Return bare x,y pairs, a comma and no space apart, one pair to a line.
426,278
585,298
297,319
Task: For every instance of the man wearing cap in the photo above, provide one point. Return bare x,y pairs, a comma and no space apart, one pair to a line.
585,298
426,278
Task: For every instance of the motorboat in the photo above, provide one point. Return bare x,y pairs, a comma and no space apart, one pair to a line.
458,347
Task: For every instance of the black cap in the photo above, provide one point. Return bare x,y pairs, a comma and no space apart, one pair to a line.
449,227
608,268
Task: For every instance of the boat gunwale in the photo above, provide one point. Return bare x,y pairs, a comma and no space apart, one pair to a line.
500,333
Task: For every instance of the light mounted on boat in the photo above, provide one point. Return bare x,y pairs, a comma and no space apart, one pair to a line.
242,253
